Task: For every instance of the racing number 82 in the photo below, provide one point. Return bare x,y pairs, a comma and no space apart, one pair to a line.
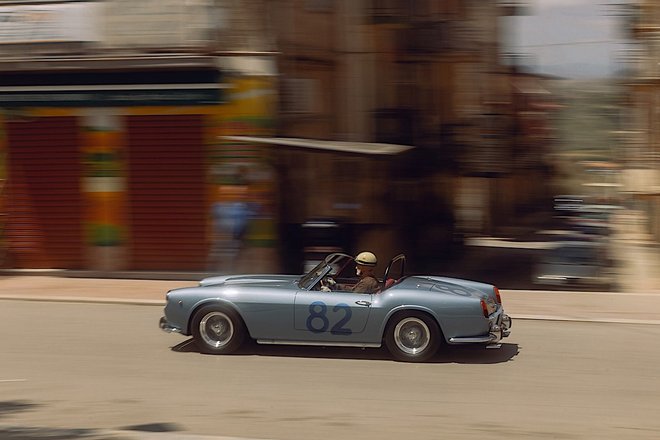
318,314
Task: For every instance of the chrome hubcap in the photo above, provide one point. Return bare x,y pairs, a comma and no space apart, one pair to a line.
216,329
412,335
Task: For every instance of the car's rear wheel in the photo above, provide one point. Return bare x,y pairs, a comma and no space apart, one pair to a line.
412,337
217,330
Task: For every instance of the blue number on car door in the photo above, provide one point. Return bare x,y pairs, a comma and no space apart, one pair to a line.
331,316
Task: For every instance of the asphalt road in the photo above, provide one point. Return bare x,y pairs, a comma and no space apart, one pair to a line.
68,369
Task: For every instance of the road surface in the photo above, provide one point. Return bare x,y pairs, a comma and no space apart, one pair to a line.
77,367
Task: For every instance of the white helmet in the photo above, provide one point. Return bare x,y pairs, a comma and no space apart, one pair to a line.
366,259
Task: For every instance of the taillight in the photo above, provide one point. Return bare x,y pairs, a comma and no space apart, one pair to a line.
484,308
497,295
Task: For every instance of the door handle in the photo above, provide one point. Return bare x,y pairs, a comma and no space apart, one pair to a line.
363,303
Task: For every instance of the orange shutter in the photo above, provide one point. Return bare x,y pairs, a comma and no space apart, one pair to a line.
166,190
44,201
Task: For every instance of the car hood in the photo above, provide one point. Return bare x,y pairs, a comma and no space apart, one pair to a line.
249,280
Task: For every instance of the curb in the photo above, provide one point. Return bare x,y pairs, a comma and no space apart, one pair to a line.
125,275
76,299
593,320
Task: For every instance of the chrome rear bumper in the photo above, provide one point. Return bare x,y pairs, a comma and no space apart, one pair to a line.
500,327
506,325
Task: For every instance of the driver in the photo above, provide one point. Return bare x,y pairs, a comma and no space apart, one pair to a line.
365,263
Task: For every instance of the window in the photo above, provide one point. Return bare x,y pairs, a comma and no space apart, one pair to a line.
300,95
319,5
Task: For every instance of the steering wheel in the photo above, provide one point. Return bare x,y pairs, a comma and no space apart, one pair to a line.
328,283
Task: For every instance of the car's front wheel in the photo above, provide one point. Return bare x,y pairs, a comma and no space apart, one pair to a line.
412,337
217,330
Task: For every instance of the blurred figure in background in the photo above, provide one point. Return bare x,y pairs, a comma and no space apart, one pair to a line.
231,215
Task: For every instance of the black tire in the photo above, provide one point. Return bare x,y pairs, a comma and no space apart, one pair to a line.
218,330
412,336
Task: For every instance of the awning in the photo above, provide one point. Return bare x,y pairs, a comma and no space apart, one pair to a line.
111,96
315,144
111,82
109,62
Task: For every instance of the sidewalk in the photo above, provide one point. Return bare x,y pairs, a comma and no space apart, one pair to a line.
633,307
637,301
636,252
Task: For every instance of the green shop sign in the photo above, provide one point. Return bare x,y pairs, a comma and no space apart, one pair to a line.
109,98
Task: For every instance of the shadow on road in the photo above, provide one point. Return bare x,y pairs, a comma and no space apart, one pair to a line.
154,427
23,433
477,355
446,354
10,407
46,433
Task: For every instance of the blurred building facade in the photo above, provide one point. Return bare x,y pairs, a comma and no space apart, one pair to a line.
426,73
112,113
641,160
116,116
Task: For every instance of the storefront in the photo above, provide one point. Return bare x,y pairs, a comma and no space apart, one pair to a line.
115,164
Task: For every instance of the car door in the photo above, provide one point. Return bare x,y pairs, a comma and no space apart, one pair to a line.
330,316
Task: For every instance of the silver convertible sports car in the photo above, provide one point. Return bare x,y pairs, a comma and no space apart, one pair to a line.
412,315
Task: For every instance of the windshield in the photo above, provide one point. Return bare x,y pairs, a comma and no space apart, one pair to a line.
331,265
314,274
